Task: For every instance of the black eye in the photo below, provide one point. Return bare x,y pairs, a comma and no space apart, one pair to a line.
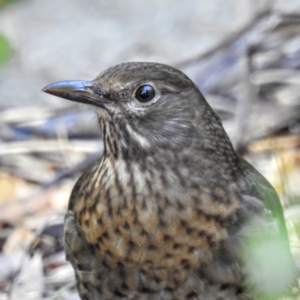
145,93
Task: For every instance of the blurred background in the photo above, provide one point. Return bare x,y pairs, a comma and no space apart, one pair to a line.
243,54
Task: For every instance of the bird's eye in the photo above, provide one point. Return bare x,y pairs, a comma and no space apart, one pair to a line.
145,93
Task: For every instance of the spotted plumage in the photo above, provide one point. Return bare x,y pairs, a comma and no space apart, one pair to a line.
170,211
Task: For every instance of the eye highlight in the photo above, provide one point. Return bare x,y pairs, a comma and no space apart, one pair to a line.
145,93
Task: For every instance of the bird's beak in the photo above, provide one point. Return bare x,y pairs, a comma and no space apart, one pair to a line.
75,90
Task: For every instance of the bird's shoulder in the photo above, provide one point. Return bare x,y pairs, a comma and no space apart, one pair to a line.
257,191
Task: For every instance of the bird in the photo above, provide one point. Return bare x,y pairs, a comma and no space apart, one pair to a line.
170,210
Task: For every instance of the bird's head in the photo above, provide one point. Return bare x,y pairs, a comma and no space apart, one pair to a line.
145,105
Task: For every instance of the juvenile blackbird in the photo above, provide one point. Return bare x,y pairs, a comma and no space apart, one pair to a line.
170,211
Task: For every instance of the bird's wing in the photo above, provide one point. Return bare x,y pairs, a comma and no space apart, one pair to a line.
79,252
266,193
268,262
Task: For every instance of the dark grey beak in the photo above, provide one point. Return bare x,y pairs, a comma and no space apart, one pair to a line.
75,90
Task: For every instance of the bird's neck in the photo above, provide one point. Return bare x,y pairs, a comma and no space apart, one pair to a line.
210,153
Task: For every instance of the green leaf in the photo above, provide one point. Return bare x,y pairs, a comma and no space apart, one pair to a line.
4,2
5,50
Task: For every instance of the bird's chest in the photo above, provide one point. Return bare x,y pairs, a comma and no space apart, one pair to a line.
139,220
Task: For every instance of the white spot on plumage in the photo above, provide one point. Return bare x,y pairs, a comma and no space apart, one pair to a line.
143,141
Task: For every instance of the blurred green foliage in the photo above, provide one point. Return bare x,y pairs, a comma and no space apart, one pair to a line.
4,2
5,49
